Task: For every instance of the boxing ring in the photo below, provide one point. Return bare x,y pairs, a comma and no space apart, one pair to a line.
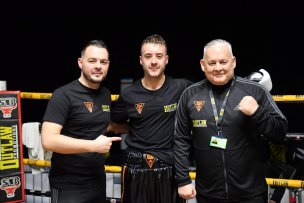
37,186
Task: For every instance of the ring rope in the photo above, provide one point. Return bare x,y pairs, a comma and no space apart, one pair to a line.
40,95
285,182
117,169
44,163
114,97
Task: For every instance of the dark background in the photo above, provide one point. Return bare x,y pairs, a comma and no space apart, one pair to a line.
41,41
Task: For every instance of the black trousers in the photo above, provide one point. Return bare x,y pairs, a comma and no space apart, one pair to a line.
147,179
96,194
257,199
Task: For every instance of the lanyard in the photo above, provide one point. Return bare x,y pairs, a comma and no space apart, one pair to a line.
219,118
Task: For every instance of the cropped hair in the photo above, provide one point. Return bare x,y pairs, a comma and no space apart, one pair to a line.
216,42
154,39
96,43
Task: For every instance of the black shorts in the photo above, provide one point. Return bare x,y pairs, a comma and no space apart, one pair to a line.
147,179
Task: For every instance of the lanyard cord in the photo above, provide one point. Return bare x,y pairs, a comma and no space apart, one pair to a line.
219,118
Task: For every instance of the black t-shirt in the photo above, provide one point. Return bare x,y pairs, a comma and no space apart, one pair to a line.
84,113
151,115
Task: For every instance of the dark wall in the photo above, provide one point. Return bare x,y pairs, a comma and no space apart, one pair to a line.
41,42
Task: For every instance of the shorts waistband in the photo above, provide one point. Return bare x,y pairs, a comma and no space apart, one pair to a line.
143,160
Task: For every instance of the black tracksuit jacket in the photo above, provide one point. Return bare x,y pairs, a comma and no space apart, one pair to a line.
237,171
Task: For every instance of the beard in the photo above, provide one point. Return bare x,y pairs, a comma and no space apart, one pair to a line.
94,79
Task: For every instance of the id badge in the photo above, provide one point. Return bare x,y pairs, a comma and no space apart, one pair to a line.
218,142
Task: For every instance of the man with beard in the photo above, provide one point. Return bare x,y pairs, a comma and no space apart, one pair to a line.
74,124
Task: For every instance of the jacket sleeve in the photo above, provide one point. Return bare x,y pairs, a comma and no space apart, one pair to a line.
182,143
269,119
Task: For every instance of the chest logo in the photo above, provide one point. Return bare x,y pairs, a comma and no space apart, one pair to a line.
89,106
105,108
139,107
198,105
199,123
170,107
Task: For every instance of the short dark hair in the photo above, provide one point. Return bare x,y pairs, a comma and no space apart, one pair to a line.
154,39
96,43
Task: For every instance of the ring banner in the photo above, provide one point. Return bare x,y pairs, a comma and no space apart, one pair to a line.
11,152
